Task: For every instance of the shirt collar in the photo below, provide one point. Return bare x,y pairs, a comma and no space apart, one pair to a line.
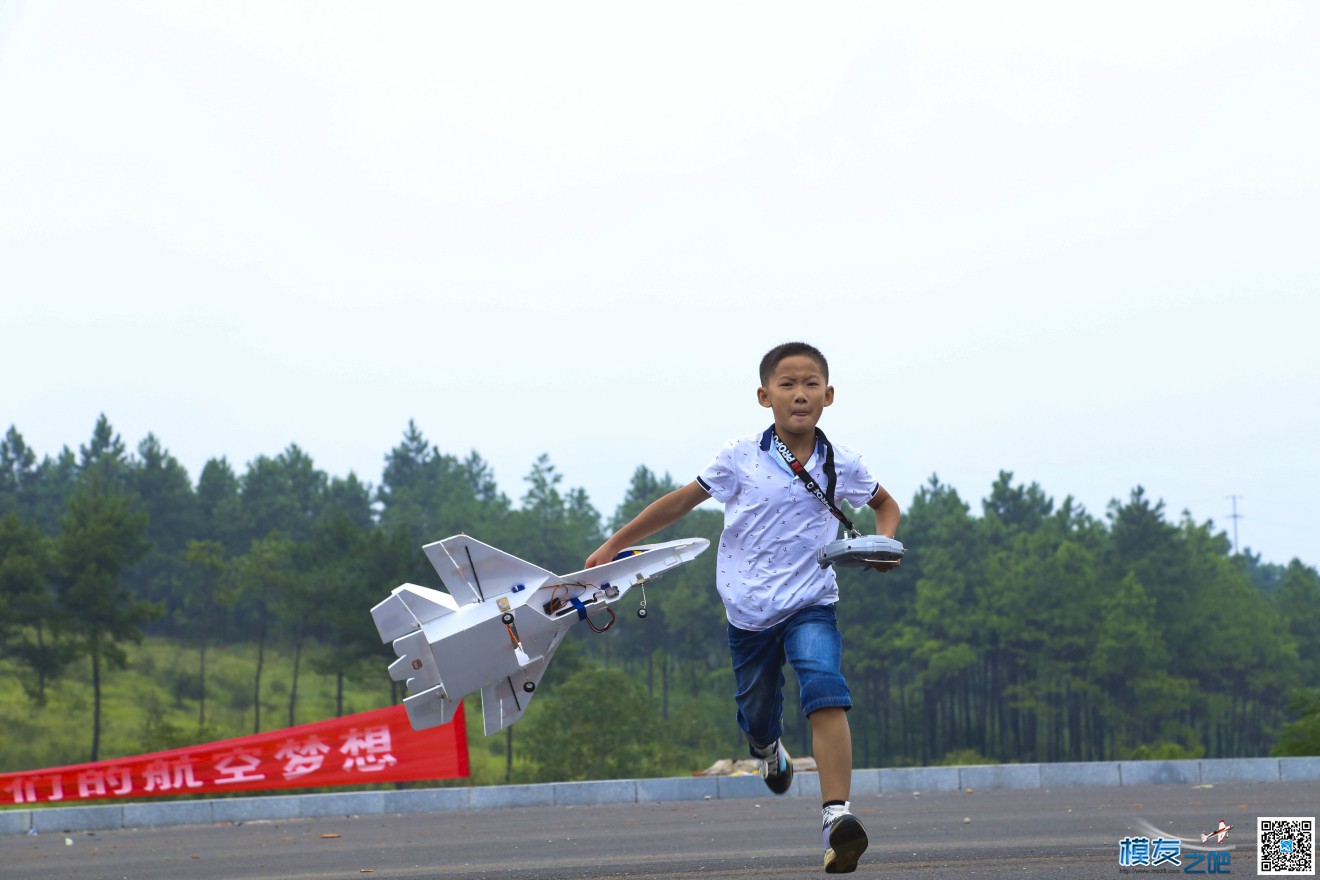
767,441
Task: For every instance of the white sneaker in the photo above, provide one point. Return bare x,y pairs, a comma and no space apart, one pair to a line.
777,768
845,839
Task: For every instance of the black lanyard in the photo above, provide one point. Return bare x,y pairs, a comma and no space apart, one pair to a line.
826,496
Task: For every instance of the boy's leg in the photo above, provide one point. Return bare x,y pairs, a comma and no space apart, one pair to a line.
813,645
758,671
832,746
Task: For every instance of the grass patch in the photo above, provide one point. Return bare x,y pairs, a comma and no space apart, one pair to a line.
154,703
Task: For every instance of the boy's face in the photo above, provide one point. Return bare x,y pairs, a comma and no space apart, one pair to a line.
797,393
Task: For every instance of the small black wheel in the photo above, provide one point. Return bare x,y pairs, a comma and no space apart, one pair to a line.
507,618
641,612
529,686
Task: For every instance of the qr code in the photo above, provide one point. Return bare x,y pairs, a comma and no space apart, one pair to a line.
1287,846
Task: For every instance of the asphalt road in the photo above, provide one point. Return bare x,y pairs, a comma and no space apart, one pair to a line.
1062,833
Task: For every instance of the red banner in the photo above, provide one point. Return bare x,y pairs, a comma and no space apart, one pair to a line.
377,746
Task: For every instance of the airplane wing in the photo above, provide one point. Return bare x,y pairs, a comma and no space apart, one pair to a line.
643,561
503,702
474,572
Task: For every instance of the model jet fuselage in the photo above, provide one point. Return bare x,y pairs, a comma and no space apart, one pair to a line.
500,623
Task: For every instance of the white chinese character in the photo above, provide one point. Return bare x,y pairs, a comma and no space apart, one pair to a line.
170,776
112,782
238,766
24,790
120,780
56,787
368,752
301,758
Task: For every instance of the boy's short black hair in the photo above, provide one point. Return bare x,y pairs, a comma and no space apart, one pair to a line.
787,350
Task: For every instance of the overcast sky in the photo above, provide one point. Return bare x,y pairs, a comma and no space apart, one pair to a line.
1077,244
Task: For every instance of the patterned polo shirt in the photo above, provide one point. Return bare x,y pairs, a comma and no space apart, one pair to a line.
773,527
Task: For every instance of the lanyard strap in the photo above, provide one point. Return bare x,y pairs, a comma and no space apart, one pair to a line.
826,497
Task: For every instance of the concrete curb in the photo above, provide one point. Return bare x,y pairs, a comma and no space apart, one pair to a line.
866,783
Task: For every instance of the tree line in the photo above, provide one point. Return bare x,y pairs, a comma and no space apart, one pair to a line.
1034,631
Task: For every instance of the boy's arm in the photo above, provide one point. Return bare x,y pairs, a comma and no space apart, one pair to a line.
662,512
886,521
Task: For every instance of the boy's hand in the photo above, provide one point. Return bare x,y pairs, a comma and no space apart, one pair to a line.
664,511
604,553
887,565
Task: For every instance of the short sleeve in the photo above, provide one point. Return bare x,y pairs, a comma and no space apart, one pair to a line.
859,485
720,478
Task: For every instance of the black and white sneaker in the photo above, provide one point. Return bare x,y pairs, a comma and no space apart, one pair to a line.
777,768
845,839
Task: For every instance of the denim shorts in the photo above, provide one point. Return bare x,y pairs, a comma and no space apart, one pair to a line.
809,639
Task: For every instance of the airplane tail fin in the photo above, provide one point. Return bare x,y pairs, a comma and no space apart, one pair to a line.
430,708
407,608
429,704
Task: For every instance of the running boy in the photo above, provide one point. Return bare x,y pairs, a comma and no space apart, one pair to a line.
778,600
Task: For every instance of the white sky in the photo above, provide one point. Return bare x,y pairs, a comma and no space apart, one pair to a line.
1070,243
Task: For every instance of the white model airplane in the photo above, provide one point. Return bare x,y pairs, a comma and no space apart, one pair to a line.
500,623
1219,833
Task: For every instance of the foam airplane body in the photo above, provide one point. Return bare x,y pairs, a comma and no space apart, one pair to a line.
500,623
1219,833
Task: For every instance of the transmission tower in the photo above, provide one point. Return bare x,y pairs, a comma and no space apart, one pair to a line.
1235,516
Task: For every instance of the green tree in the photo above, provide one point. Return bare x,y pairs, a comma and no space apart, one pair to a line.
683,631
285,494
105,457
207,566
166,493
567,740
18,475
56,481
295,607
1301,736
883,634
101,535
434,495
409,475
356,568
1297,602
350,497
327,573
259,579
220,506
555,532
1241,676
28,613
1013,509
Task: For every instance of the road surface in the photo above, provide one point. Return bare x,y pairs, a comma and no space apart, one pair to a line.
989,835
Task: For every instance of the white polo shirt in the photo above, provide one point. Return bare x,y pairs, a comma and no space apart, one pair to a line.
773,527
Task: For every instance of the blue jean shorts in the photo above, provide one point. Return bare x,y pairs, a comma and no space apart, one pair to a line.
809,639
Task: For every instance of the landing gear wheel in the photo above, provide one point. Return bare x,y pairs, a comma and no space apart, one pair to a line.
529,686
641,612
507,618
